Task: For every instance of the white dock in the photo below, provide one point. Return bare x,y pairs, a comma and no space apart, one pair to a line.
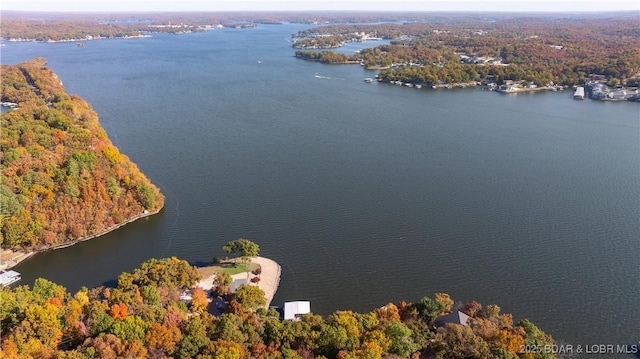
8,277
579,94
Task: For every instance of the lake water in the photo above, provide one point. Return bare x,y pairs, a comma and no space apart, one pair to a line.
364,193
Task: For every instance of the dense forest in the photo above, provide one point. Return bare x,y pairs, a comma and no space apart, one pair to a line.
144,317
564,51
62,178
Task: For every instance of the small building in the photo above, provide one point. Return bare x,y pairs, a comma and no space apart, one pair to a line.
456,317
8,277
507,88
293,310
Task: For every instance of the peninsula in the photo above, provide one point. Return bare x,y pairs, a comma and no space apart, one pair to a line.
518,53
63,180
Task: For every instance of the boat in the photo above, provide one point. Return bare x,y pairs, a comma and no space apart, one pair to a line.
368,80
8,277
418,86
579,94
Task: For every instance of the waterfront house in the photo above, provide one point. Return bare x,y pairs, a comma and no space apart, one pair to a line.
507,88
457,317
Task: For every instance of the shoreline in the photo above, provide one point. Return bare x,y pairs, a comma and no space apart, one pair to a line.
528,89
269,278
16,257
132,37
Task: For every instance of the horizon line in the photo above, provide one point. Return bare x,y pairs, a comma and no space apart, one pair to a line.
322,11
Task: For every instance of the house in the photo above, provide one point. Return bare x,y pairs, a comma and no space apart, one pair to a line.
456,317
292,310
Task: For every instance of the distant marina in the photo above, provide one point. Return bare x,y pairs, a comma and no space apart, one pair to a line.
593,89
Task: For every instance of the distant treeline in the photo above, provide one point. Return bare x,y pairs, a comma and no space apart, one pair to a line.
535,49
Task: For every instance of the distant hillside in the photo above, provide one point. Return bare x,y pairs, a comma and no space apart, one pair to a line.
62,178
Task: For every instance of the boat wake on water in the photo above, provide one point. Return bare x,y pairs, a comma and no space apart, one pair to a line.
318,76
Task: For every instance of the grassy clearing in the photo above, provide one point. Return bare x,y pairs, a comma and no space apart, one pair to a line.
227,267
236,269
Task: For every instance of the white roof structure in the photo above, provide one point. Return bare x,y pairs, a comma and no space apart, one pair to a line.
293,309
8,277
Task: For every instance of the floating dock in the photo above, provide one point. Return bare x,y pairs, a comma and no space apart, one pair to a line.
579,94
8,277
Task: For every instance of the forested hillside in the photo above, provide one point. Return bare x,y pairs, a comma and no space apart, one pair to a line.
144,317
536,49
62,178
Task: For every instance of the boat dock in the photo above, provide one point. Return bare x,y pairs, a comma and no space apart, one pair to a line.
8,277
579,94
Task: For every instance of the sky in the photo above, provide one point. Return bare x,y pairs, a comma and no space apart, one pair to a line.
301,5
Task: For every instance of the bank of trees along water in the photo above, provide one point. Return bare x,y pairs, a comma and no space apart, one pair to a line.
143,316
62,178
565,50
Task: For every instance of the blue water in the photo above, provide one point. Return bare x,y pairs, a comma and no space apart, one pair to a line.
365,193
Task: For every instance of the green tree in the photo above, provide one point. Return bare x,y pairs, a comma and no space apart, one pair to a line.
401,339
244,247
535,337
130,328
97,318
428,309
459,341
194,338
250,297
222,283
229,327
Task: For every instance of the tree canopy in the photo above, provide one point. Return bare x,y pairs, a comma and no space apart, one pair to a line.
243,247
146,318
461,50
62,178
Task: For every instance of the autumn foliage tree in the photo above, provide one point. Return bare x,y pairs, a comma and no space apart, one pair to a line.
118,311
243,247
46,321
250,297
62,178
199,300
